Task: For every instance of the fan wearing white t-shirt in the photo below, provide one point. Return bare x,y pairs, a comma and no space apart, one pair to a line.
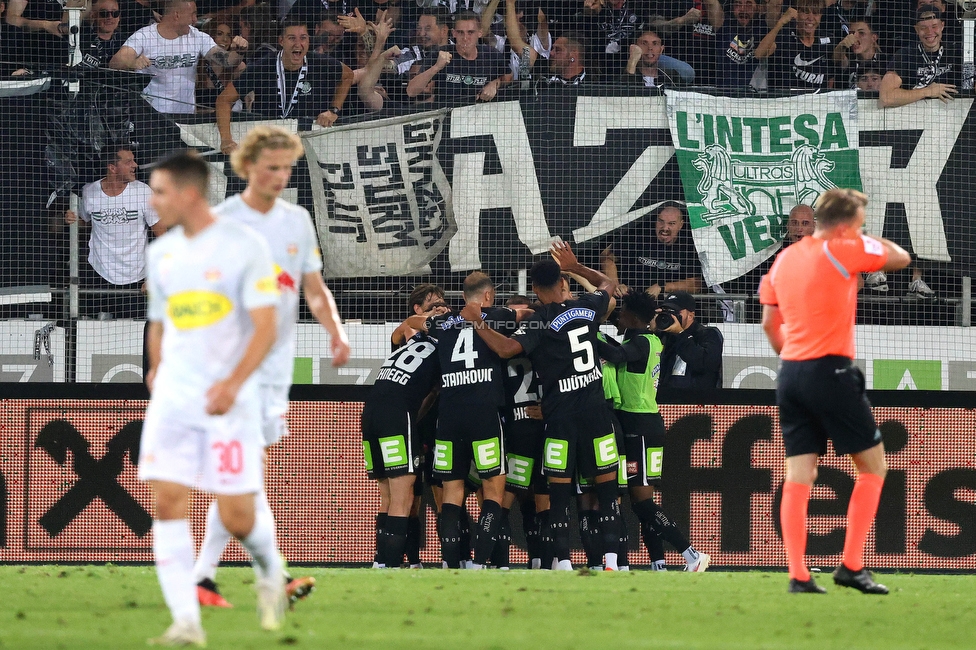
118,211
171,50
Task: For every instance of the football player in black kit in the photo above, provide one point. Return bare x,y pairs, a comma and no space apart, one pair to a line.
560,339
469,426
392,445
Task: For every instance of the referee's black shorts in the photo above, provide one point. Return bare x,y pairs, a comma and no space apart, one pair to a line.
824,398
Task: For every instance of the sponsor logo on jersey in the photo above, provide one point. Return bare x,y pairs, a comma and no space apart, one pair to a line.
571,314
293,249
284,279
267,284
212,275
192,309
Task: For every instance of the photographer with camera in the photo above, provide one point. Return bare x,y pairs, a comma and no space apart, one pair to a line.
692,356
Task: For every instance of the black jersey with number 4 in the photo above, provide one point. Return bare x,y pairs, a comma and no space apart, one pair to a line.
470,371
560,338
407,375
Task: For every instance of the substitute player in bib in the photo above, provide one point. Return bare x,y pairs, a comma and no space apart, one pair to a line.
809,300
560,339
265,159
638,370
212,311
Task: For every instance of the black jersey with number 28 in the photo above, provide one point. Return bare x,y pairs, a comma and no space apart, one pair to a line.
560,339
470,371
407,375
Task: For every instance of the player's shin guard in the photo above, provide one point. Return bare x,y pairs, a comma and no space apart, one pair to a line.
260,543
215,539
413,541
500,555
560,496
609,521
396,540
793,517
860,514
651,514
447,529
486,533
589,533
173,553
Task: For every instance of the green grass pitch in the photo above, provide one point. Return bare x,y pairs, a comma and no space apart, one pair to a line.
120,607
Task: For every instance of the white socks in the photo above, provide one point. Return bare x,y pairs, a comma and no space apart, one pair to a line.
215,540
610,560
690,555
261,543
173,553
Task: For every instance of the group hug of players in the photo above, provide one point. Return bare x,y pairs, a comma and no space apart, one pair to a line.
529,402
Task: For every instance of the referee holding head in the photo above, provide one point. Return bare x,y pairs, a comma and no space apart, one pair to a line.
809,301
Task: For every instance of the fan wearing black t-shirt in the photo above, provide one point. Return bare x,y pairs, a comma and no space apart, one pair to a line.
469,425
801,58
294,83
464,72
927,69
560,340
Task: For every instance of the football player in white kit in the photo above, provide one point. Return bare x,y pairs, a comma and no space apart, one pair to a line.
212,309
264,159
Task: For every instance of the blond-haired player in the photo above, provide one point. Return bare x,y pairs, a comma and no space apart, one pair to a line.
264,159
212,312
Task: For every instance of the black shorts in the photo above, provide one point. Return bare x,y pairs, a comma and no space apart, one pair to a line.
468,434
824,398
644,442
523,443
580,444
391,443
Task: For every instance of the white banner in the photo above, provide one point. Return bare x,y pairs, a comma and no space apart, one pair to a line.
383,205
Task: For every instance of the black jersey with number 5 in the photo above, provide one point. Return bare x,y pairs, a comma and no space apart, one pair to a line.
470,371
560,338
407,375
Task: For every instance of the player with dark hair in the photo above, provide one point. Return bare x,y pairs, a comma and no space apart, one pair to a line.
212,310
469,426
560,339
638,370
809,300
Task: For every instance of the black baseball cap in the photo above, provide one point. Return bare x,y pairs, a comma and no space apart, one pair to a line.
679,300
928,12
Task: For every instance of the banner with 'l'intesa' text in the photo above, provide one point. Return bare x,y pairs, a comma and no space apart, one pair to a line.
746,163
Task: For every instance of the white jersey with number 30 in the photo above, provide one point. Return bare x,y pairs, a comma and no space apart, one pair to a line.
290,235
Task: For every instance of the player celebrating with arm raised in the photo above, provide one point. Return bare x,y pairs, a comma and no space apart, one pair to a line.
265,159
212,311
560,339
809,300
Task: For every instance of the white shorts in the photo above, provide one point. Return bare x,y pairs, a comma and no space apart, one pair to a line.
222,454
274,408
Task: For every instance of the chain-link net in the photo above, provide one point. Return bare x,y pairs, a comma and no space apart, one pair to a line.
669,142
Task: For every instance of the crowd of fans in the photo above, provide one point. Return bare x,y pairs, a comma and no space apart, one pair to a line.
432,53
331,62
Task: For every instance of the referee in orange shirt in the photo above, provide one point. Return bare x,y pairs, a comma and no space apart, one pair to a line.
809,301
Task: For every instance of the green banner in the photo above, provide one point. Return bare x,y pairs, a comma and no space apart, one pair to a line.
745,163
